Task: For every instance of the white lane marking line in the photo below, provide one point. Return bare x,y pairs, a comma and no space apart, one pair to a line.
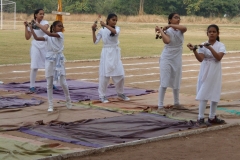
182,78
223,82
125,69
232,92
139,75
125,58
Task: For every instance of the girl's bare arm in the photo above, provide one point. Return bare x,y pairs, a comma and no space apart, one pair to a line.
178,27
198,56
28,34
35,36
43,28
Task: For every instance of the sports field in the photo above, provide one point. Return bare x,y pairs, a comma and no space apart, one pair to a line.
140,53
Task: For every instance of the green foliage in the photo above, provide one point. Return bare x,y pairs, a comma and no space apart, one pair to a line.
218,8
206,8
192,6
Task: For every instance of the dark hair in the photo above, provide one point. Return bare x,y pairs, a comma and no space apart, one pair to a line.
111,15
53,25
216,27
36,12
171,16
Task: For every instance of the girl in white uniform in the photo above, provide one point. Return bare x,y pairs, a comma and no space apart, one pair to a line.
110,61
210,75
38,48
54,66
171,58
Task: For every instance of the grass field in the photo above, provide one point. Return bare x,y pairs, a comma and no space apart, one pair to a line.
136,39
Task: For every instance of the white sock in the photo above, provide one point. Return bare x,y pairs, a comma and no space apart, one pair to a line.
33,75
176,96
202,108
161,94
64,86
50,91
213,108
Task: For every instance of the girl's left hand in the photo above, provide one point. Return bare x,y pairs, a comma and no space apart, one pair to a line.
207,45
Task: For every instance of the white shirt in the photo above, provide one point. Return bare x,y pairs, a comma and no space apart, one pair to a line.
39,33
54,65
210,75
171,60
110,61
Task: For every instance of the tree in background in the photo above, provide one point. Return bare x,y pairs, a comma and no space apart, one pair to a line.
218,8
192,6
141,7
206,8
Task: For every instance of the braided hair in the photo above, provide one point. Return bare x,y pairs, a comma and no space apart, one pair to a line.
111,15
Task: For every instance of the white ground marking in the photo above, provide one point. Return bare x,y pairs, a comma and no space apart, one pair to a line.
84,67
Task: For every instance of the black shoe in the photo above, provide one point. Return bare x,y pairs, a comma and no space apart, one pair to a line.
216,120
55,88
201,123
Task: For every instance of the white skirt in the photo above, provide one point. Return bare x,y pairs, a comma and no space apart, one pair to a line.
37,57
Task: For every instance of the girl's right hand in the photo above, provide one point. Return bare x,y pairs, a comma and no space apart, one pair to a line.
157,29
94,26
190,46
25,23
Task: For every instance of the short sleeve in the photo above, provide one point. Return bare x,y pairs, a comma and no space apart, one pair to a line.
98,36
117,30
61,35
45,37
169,32
201,50
44,22
222,49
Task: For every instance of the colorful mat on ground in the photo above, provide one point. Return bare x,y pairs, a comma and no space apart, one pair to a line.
16,102
144,103
13,119
79,90
108,131
15,148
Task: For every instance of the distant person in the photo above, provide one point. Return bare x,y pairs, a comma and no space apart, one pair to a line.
209,82
54,67
171,59
38,48
110,61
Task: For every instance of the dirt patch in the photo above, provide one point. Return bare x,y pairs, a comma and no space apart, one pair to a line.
214,145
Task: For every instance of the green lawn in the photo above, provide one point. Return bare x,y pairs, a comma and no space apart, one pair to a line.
136,39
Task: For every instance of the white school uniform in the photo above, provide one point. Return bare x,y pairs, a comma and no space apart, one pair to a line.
171,60
38,49
110,61
54,65
210,75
